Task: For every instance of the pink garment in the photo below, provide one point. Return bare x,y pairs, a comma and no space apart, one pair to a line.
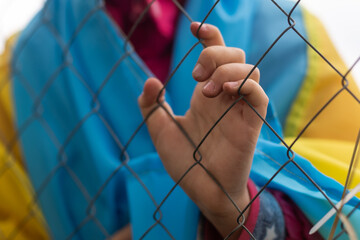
153,38
296,224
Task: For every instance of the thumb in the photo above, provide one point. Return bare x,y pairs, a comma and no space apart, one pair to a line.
210,34
153,106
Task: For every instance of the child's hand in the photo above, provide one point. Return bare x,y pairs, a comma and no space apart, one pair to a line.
228,151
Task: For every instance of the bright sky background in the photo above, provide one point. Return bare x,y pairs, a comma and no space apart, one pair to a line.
340,17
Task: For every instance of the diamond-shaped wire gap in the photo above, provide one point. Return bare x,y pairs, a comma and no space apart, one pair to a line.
316,115
80,26
124,158
67,56
109,75
344,81
291,21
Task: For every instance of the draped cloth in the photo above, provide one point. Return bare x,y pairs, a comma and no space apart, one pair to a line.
90,112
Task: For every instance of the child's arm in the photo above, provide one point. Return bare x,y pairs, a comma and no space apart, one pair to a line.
228,151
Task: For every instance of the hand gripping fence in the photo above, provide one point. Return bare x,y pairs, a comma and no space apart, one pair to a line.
12,143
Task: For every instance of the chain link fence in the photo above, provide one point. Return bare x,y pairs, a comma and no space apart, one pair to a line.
65,165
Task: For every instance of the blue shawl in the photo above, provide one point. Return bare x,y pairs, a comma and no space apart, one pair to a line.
76,106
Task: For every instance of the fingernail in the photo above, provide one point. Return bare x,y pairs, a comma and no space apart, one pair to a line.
209,86
232,84
204,27
198,71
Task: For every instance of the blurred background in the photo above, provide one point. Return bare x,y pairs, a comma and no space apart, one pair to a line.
340,17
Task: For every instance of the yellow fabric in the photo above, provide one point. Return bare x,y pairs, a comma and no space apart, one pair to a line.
329,141
332,157
6,108
341,118
19,218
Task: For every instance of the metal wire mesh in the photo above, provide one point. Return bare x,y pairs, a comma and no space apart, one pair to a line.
11,143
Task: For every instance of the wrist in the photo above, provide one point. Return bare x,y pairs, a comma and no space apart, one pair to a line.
225,214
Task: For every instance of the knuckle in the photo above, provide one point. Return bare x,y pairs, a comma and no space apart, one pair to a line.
241,53
256,74
209,55
209,52
222,70
216,30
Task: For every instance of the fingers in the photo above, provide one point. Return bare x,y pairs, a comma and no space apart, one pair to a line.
222,67
252,92
229,73
218,64
209,34
150,94
213,57
155,115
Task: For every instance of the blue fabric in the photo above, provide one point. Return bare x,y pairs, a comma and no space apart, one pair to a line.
144,205
70,129
270,223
